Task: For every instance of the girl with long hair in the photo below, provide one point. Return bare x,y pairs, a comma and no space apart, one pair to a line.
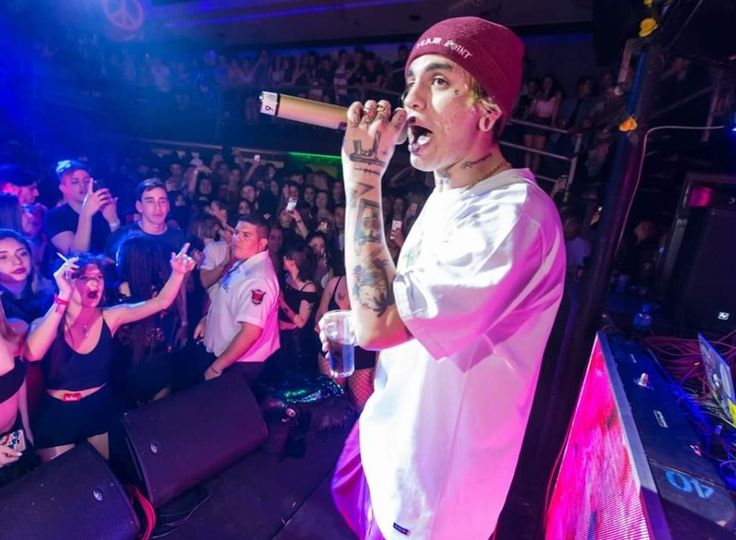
543,110
10,211
145,358
296,311
74,343
23,294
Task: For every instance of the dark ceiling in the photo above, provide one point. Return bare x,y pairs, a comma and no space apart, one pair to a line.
292,21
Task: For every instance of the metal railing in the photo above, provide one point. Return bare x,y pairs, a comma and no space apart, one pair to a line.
577,138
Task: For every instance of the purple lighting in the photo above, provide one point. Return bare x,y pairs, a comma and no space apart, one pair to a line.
285,13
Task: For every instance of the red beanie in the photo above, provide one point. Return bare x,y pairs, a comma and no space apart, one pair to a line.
491,53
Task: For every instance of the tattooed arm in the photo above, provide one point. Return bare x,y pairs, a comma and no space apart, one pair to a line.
369,268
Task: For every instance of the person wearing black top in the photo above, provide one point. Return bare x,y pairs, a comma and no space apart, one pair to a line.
14,461
74,343
297,303
20,292
360,383
152,202
87,217
144,367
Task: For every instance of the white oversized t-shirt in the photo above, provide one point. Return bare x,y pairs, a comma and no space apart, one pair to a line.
478,285
247,293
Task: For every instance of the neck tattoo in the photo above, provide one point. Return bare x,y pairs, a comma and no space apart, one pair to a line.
469,164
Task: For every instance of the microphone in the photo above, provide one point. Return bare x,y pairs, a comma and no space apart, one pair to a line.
307,111
315,113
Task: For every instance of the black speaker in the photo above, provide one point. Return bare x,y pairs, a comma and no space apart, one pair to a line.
707,299
74,496
696,279
173,444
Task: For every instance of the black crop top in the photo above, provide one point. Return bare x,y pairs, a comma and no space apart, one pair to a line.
76,371
11,381
333,305
293,298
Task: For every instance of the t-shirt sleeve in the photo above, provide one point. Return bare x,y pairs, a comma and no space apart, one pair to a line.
57,221
212,255
257,299
482,269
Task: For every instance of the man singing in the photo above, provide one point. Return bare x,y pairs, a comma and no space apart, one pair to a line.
463,320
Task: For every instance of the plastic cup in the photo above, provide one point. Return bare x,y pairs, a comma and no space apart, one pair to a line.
339,328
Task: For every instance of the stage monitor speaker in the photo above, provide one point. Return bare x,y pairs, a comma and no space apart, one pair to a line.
696,278
74,496
173,444
706,298
630,467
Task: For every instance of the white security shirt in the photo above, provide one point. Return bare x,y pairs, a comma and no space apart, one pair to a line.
478,285
248,293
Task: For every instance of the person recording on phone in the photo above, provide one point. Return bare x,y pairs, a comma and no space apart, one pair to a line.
461,322
87,217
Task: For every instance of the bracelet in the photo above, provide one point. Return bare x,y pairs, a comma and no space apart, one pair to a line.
60,301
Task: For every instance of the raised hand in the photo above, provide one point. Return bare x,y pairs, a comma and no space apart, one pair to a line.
95,200
181,263
372,133
110,211
63,277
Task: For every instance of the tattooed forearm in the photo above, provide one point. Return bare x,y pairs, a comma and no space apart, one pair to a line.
367,224
368,155
371,287
368,171
469,164
358,191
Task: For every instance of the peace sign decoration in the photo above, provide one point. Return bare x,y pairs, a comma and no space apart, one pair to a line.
126,15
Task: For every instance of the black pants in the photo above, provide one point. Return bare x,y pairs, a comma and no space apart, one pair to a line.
248,370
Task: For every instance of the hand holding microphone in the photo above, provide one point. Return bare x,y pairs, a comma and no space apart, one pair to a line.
307,111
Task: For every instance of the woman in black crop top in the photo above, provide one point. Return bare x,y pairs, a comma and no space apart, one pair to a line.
296,312
24,295
74,343
360,383
13,405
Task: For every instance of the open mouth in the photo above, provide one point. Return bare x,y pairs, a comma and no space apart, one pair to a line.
419,136
93,295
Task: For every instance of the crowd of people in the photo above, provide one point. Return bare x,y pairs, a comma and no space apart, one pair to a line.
162,277
227,83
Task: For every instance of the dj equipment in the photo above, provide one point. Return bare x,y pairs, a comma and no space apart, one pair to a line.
173,444
74,496
632,465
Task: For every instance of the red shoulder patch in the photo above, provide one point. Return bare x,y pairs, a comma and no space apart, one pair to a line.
256,296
